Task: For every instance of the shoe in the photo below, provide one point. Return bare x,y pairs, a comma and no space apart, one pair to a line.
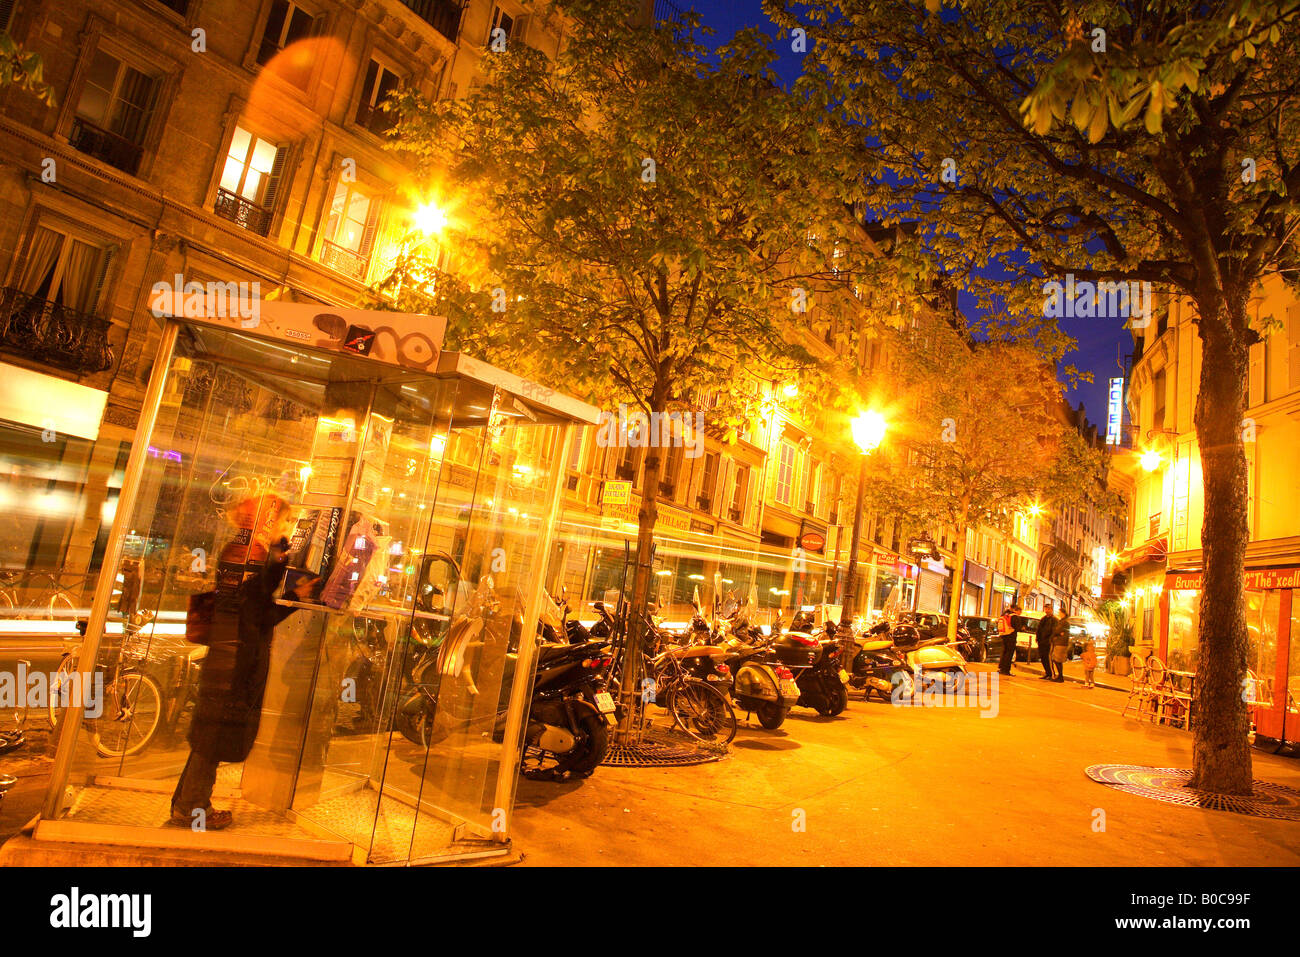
1058,679
213,820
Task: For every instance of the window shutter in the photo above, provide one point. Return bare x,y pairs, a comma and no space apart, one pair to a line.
1293,346
1256,394
273,181
6,14
368,237
363,107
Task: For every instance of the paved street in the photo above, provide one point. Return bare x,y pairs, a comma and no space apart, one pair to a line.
884,786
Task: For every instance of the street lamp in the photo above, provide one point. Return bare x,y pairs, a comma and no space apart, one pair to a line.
1151,460
868,432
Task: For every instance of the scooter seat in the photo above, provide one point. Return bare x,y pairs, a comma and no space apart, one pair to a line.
877,645
699,651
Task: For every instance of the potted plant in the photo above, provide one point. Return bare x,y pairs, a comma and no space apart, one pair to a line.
1120,640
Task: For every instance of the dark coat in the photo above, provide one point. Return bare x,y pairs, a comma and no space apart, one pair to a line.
1061,634
1046,630
233,680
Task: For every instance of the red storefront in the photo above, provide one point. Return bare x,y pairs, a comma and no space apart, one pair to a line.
1273,658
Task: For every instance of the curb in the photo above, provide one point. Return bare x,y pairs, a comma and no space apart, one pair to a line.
1099,682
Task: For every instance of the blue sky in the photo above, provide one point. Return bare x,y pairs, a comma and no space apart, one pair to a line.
1099,341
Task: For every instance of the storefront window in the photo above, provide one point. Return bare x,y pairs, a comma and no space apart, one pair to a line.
1262,611
1184,629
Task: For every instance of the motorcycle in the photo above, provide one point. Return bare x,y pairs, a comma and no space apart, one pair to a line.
759,682
820,685
878,666
570,710
929,658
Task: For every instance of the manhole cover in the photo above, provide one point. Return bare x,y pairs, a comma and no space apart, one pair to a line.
1170,785
662,749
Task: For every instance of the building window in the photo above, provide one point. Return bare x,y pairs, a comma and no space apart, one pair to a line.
113,112
511,27
670,470
50,314
286,24
739,493
380,84
708,482
785,473
250,181
350,231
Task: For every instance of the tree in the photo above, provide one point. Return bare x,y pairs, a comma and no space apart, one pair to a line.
979,438
23,70
635,226
1121,142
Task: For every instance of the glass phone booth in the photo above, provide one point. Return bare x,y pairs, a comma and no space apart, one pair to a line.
414,503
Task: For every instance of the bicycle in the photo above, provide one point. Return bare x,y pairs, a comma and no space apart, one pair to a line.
53,601
698,710
133,699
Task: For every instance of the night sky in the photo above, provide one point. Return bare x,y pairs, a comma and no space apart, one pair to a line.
1099,341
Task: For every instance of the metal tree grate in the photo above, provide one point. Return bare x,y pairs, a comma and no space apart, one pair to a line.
1170,786
655,748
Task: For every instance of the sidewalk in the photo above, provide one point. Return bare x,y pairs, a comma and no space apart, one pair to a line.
1074,672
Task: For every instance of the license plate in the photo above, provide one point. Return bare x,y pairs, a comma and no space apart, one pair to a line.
788,688
604,702
844,676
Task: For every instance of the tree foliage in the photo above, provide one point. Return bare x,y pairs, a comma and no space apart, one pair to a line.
23,70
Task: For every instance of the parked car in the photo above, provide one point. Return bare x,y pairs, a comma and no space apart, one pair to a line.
1026,625
1080,637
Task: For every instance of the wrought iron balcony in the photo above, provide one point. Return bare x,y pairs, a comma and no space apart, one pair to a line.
52,333
442,15
241,212
343,260
116,151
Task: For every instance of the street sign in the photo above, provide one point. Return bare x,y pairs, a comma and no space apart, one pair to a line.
616,493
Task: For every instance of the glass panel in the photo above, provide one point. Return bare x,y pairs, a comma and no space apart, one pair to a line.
1184,629
1263,609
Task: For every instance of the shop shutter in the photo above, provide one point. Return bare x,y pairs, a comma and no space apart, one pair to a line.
929,593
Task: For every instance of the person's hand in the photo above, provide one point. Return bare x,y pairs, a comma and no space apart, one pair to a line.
302,591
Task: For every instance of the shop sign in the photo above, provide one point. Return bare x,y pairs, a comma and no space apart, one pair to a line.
667,518
812,541
704,528
616,493
1260,579
409,340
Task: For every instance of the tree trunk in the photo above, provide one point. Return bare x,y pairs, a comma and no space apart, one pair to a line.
636,606
958,581
1221,757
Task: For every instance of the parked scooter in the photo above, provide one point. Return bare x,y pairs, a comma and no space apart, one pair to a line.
760,683
820,685
930,658
880,667
570,709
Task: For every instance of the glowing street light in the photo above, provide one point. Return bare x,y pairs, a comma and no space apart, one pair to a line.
1151,460
430,219
869,430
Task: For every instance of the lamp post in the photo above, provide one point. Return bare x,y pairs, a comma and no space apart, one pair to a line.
868,432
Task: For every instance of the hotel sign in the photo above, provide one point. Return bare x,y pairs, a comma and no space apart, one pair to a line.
1256,578
1115,411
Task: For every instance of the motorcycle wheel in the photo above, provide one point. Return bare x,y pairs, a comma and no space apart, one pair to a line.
415,727
839,700
585,756
770,715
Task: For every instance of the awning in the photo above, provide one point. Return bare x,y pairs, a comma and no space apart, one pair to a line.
1152,550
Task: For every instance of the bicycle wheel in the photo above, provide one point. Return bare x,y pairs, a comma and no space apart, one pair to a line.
62,679
701,711
60,607
132,713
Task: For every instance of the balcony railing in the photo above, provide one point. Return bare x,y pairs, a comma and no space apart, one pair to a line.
116,151
343,260
52,333
241,212
442,15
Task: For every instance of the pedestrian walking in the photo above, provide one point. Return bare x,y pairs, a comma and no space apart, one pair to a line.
1046,629
1089,659
1007,633
1060,643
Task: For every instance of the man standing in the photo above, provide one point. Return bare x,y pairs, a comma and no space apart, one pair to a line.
1007,632
1046,630
1060,642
